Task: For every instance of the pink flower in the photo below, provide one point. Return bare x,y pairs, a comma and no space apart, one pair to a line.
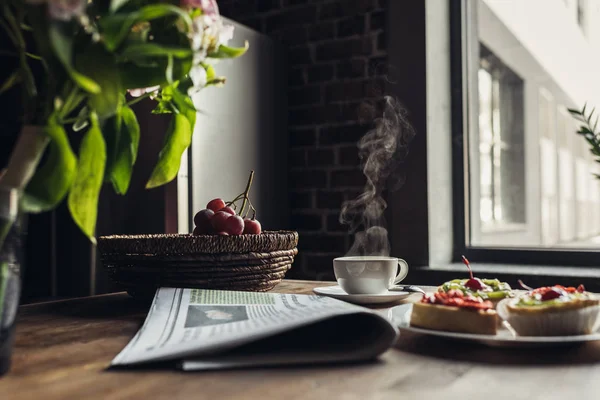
142,91
209,7
63,10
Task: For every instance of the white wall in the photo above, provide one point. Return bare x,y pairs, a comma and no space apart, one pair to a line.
570,56
242,127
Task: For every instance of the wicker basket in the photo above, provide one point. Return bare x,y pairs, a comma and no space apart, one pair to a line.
142,263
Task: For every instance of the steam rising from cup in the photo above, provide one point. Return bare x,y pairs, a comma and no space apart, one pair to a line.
381,151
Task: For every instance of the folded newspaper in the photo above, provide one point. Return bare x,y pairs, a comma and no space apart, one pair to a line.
197,329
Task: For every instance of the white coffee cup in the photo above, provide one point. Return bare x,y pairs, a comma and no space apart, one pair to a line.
369,274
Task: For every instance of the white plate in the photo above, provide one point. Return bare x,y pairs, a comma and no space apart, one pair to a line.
504,338
338,293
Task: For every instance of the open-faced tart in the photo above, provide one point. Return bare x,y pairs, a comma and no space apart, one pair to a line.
552,311
488,289
455,311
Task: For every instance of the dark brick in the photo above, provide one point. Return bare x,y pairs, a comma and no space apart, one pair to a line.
344,8
254,23
293,16
334,225
297,158
351,26
348,155
293,36
307,222
303,137
308,179
267,5
374,88
320,73
346,48
299,55
237,8
304,95
321,266
378,66
342,112
381,41
320,157
329,200
347,178
351,68
302,200
343,91
296,77
322,243
352,194
295,2
342,134
377,20
322,31
307,116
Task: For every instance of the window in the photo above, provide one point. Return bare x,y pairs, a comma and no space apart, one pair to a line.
527,178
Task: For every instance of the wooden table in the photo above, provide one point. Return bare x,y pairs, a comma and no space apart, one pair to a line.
63,349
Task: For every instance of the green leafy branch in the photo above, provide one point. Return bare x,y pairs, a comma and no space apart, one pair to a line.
587,130
90,62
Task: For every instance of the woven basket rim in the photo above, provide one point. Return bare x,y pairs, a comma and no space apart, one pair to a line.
182,244
187,235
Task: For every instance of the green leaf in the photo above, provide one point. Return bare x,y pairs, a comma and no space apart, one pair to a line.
185,105
63,48
83,197
52,181
144,50
102,67
126,151
179,137
116,4
116,27
229,52
12,80
82,119
136,76
574,111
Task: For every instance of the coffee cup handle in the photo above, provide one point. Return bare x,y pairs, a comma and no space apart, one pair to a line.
403,266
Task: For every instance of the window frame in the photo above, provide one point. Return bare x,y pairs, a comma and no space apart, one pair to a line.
461,121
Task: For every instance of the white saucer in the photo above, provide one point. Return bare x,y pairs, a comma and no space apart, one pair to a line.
338,293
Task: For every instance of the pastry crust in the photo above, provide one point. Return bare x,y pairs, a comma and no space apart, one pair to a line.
454,319
568,305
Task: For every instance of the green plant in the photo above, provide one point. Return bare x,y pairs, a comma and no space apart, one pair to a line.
92,54
588,130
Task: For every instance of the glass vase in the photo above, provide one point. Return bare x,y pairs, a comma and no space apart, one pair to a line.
11,257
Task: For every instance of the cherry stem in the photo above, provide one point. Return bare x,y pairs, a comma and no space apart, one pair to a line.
524,286
245,194
466,262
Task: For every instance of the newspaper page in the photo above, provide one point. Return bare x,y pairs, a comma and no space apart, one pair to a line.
208,329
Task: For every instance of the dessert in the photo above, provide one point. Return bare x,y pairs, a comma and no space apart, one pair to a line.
552,311
455,311
487,289
220,218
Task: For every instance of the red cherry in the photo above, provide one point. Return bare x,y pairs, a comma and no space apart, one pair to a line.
218,221
223,234
474,284
197,231
551,294
234,225
202,217
228,210
252,227
215,205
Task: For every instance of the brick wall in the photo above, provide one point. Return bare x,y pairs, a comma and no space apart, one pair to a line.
336,58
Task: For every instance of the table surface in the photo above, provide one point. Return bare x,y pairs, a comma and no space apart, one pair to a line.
63,349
